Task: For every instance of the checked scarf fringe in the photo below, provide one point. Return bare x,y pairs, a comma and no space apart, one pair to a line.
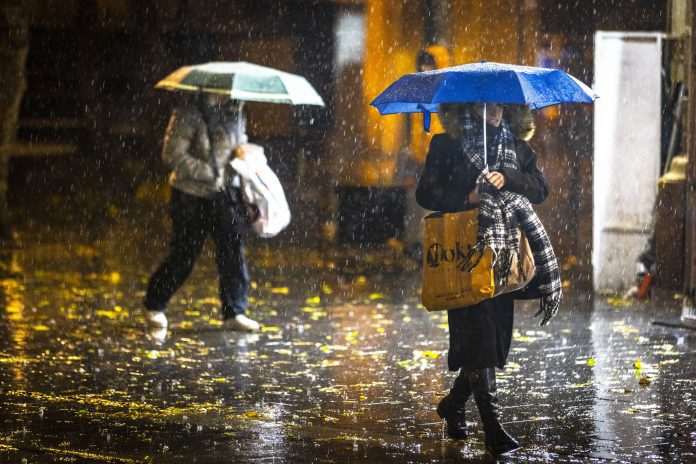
501,212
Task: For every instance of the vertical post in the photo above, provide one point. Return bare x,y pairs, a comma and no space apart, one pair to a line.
90,65
442,34
14,47
688,308
429,22
520,31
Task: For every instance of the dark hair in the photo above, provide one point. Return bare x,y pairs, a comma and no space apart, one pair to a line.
425,59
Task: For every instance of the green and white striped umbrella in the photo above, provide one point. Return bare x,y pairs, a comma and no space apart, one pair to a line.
243,81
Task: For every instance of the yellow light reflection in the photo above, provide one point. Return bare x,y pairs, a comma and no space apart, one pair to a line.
13,292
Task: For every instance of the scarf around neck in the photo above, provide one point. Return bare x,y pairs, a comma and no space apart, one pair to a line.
502,212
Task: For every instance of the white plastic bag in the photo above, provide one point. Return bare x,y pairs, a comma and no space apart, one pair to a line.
262,188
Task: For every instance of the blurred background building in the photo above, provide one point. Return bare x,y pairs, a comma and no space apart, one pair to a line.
90,109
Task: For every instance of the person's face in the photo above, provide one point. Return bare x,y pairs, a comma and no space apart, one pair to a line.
425,67
494,112
218,100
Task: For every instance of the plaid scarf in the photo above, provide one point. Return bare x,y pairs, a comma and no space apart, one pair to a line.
501,212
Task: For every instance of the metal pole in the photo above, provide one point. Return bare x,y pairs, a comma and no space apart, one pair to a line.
240,115
485,140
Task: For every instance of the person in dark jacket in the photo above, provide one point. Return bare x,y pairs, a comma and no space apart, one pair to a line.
203,135
480,335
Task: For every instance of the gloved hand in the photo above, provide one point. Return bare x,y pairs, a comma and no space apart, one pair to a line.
246,150
220,182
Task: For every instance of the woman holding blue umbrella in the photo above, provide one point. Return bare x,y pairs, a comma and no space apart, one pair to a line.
484,160
480,335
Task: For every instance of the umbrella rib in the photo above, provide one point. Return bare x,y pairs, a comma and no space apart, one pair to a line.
248,94
442,83
524,87
285,88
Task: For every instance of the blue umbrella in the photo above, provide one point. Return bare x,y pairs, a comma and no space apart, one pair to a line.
482,82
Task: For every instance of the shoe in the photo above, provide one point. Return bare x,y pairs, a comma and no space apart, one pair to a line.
242,323
158,334
456,423
498,441
156,319
453,406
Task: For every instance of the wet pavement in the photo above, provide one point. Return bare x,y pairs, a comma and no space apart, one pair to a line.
347,366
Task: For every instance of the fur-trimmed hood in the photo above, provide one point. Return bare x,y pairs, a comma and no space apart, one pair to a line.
518,117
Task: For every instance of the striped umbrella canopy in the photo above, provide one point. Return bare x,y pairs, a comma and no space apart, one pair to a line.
243,81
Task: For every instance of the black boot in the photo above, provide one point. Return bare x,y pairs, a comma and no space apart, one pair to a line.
452,407
483,387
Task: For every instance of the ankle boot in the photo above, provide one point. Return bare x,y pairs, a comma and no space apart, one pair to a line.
452,407
498,441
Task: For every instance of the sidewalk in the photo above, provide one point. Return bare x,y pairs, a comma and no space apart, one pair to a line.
347,367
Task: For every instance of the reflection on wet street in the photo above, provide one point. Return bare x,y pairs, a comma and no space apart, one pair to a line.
347,366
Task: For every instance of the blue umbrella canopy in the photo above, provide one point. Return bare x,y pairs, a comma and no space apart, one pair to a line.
482,82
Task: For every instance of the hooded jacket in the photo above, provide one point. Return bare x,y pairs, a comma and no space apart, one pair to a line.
187,147
448,177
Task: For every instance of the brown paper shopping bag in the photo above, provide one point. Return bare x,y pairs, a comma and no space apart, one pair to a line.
454,276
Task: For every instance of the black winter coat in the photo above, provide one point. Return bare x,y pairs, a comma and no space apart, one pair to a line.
480,335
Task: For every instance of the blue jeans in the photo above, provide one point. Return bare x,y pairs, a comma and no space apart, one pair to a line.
193,219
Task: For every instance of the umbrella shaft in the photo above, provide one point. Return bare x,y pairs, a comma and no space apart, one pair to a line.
485,139
239,120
